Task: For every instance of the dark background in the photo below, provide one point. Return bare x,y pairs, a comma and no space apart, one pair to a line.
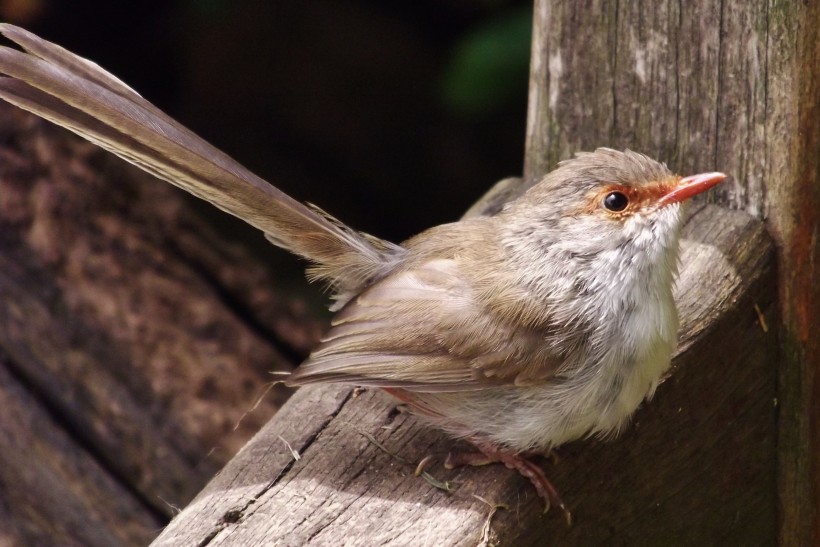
392,116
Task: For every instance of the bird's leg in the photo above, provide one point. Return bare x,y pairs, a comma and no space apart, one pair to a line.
491,453
519,461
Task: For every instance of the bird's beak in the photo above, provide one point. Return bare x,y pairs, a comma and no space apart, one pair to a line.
687,187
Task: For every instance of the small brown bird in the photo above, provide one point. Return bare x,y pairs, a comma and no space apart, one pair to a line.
549,321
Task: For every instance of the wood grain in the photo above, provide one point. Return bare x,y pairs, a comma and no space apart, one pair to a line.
62,494
725,85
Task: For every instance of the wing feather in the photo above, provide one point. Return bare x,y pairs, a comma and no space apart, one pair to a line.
424,329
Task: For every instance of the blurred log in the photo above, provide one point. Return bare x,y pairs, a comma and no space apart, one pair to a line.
146,337
54,491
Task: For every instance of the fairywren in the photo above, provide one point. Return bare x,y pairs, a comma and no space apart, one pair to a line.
546,322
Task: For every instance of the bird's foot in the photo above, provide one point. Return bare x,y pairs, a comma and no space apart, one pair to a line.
519,461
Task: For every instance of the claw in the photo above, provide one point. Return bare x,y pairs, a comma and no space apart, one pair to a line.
463,459
490,453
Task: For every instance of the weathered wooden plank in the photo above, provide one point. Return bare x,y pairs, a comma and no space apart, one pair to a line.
699,460
248,477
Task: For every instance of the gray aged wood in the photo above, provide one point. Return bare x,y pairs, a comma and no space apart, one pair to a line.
697,465
729,85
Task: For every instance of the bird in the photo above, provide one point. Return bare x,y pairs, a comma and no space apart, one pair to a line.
549,321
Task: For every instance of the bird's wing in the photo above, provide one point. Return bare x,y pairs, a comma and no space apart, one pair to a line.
82,97
423,329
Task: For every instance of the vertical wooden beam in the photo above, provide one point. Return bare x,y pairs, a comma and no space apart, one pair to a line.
719,84
793,211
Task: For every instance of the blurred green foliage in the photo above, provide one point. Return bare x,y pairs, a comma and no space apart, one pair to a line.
489,67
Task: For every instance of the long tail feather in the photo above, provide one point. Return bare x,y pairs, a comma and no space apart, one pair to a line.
82,97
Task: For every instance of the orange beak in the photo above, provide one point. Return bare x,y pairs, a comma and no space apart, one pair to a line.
687,187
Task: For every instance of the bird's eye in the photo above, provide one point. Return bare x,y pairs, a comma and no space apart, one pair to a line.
616,201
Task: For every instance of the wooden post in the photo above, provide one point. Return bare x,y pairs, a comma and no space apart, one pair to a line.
792,208
731,85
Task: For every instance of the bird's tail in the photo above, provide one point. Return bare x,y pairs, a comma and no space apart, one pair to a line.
79,95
